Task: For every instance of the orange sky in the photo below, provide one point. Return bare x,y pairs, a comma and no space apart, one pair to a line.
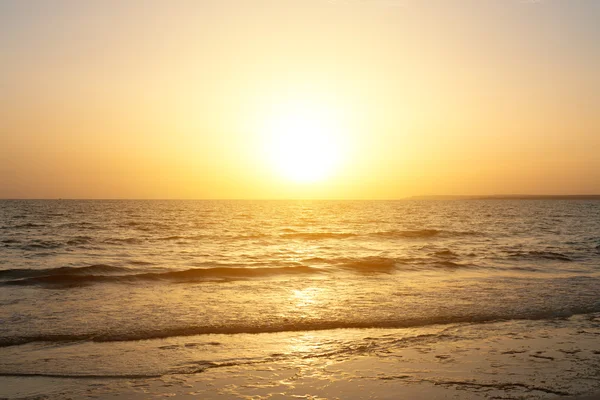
175,99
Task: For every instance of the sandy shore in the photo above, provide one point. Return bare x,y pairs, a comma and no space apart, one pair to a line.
548,359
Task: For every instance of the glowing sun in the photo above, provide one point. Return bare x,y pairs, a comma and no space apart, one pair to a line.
304,144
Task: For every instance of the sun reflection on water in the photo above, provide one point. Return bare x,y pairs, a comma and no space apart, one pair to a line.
307,297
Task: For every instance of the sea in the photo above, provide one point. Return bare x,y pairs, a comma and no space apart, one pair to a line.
469,298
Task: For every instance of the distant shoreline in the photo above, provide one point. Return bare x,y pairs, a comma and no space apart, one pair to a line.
511,197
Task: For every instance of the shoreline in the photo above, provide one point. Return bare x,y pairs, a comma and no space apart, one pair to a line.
544,359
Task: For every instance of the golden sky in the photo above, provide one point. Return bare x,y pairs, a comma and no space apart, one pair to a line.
361,99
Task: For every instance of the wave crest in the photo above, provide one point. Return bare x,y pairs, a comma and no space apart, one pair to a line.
295,326
541,255
68,277
61,271
100,273
317,235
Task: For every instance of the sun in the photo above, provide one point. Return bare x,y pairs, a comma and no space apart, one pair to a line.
304,144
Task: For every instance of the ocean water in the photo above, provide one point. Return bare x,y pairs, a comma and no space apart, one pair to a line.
107,291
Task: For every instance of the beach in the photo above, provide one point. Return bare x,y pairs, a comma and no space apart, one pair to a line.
509,360
416,299
300,199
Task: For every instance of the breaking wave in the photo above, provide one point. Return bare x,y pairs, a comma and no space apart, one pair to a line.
101,273
68,276
296,326
62,271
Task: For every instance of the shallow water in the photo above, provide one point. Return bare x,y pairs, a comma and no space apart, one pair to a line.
152,289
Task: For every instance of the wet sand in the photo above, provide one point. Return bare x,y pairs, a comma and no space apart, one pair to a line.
546,359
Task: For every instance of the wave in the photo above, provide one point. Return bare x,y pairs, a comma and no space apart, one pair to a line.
445,254
42,245
389,265
540,255
140,262
82,225
296,326
317,235
170,238
407,234
81,376
61,271
189,368
146,226
79,240
226,272
289,234
101,273
449,265
420,233
27,225
69,276
179,238
371,265
129,240
47,244
423,233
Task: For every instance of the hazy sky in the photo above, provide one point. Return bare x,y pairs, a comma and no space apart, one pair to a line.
173,99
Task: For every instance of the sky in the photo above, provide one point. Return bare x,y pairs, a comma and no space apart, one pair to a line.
333,99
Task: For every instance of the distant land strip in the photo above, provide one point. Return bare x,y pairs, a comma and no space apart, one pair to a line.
511,197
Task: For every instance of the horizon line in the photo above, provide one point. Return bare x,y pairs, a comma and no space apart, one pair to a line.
412,197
